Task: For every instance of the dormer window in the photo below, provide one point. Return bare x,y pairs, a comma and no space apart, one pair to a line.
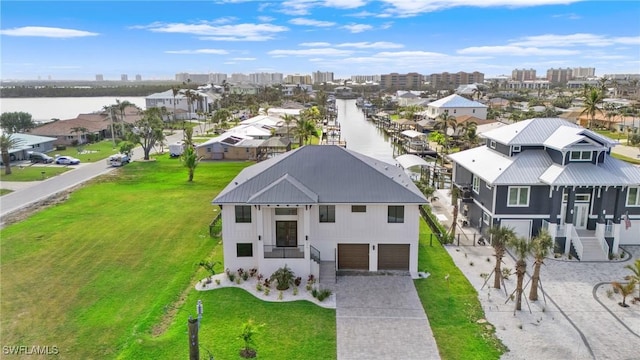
492,144
516,149
580,155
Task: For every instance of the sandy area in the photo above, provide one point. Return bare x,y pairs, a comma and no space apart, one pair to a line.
540,330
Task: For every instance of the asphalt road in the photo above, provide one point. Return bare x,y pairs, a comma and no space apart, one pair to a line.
20,198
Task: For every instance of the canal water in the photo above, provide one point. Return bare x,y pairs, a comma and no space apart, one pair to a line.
362,135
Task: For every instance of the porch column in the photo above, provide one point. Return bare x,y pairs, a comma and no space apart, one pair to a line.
307,236
567,233
260,233
616,237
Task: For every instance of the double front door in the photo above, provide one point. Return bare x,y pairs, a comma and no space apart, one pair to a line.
286,233
580,211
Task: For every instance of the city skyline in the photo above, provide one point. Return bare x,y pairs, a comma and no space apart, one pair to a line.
157,39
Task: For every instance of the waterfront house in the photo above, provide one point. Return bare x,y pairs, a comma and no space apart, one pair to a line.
229,146
166,100
456,105
28,143
72,131
553,174
321,204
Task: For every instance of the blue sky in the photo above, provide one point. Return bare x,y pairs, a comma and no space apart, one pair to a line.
157,39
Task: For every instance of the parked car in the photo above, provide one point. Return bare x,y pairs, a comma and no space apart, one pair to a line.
38,157
118,160
67,160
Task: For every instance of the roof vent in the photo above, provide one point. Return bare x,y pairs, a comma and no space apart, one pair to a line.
236,183
386,168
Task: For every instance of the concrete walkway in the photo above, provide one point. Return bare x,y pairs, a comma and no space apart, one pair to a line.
381,317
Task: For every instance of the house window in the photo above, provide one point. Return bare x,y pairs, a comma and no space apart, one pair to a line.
580,156
286,211
454,111
244,250
476,184
518,196
474,111
486,218
226,149
492,144
395,214
633,196
208,149
516,148
358,208
243,214
327,213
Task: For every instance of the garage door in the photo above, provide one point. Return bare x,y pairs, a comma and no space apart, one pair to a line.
393,257
522,228
353,256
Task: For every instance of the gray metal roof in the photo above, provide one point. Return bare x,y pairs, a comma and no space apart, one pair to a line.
612,172
322,174
538,131
456,101
526,169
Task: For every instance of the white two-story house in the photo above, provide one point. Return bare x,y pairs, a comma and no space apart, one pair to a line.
456,105
321,204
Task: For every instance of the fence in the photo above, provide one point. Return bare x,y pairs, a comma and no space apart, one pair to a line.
215,227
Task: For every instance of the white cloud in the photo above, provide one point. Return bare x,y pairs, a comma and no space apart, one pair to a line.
311,22
315,44
579,39
50,32
297,7
357,28
405,8
310,52
569,16
266,18
244,59
372,45
199,51
512,50
363,14
236,32
344,4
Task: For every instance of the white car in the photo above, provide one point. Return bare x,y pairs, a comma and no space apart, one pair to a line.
67,160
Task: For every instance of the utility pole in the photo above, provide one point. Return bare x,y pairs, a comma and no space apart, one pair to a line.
194,347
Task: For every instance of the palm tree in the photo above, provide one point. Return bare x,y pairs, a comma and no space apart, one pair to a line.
8,142
500,236
625,290
540,248
593,98
455,194
122,106
110,110
522,248
469,134
305,130
175,90
79,130
288,119
635,269
222,116
445,121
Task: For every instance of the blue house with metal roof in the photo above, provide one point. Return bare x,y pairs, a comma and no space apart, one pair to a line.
553,174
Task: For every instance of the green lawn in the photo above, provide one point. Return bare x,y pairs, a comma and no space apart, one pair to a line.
32,173
95,275
452,308
90,152
626,158
4,191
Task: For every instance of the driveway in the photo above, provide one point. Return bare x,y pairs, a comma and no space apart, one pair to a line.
381,317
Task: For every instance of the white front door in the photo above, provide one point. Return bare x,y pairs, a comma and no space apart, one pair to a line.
580,215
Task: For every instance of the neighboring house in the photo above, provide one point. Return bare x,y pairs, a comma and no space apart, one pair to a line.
272,147
229,146
456,105
316,203
269,121
547,172
165,99
255,131
30,143
67,132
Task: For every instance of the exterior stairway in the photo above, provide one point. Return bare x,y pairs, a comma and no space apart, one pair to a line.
328,275
592,251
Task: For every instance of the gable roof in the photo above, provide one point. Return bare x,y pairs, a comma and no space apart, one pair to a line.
65,127
538,130
27,141
612,172
321,174
456,101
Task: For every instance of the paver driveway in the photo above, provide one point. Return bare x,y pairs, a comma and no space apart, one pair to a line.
381,317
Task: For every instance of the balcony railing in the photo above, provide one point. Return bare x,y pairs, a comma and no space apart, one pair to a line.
280,252
314,254
608,229
577,244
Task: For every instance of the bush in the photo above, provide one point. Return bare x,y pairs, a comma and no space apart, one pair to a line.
284,276
323,294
